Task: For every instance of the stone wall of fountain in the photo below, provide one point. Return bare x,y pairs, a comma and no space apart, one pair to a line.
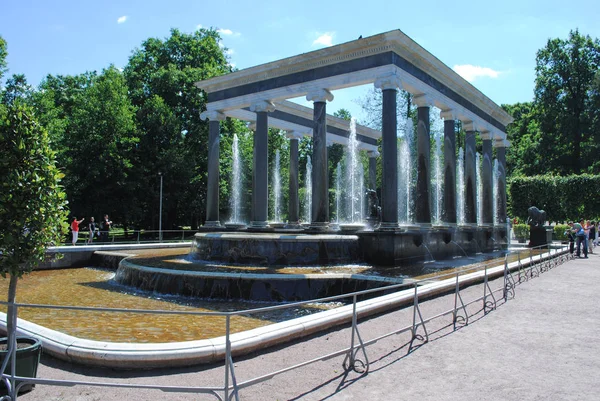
276,248
247,286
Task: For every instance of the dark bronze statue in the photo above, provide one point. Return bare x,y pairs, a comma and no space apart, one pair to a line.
374,208
536,217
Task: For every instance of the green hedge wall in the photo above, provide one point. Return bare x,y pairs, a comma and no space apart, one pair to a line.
563,198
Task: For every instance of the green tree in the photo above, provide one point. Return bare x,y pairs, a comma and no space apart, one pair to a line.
16,88
566,103
32,203
3,55
167,70
525,137
101,140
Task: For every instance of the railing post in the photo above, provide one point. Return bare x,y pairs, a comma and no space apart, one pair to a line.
227,354
351,361
229,369
415,325
486,288
138,237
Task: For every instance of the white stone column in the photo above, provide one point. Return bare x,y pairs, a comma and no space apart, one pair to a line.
389,85
260,171
320,178
212,184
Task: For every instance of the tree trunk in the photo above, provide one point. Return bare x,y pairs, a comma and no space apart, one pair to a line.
11,320
11,317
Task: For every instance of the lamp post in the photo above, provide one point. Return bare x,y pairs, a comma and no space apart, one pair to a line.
160,210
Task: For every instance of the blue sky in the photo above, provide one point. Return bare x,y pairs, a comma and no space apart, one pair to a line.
492,44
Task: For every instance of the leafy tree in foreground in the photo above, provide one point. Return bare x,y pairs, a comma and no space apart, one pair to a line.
32,203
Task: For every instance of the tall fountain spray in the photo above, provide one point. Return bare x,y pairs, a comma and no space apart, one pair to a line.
460,187
405,175
495,179
276,189
236,183
308,193
354,177
338,191
479,191
437,180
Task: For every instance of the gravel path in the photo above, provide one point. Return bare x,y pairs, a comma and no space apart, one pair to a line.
541,345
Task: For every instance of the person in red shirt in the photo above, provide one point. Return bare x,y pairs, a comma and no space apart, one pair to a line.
75,228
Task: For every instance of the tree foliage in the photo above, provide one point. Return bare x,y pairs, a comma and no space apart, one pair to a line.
566,104
563,198
32,202
3,55
161,77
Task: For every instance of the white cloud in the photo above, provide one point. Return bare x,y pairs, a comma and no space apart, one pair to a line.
228,32
229,52
325,39
199,26
122,19
472,72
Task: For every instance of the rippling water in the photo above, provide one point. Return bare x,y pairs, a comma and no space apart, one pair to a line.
94,287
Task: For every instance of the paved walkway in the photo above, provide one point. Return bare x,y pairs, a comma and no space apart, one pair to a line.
541,345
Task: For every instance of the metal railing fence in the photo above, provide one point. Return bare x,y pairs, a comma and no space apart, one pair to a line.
530,264
134,236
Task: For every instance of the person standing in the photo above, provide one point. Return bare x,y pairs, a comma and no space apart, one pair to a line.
591,236
571,236
92,229
580,235
75,228
106,225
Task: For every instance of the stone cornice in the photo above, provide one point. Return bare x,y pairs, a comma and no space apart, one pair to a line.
319,95
212,115
395,41
485,135
261,106
423,100
292,135
449,114
388,81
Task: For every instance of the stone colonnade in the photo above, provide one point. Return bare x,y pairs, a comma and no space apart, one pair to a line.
389,194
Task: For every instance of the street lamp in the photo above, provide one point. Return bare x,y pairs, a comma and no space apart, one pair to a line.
160,210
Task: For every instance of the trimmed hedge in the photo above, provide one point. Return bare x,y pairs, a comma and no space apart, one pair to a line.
563,198
521,231
559,232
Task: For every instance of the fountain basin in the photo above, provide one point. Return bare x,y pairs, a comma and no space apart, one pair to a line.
246,286
261,248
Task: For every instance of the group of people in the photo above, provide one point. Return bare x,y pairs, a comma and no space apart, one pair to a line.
583,233
100,231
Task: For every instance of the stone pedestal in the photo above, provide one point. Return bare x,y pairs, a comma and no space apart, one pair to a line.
538,236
